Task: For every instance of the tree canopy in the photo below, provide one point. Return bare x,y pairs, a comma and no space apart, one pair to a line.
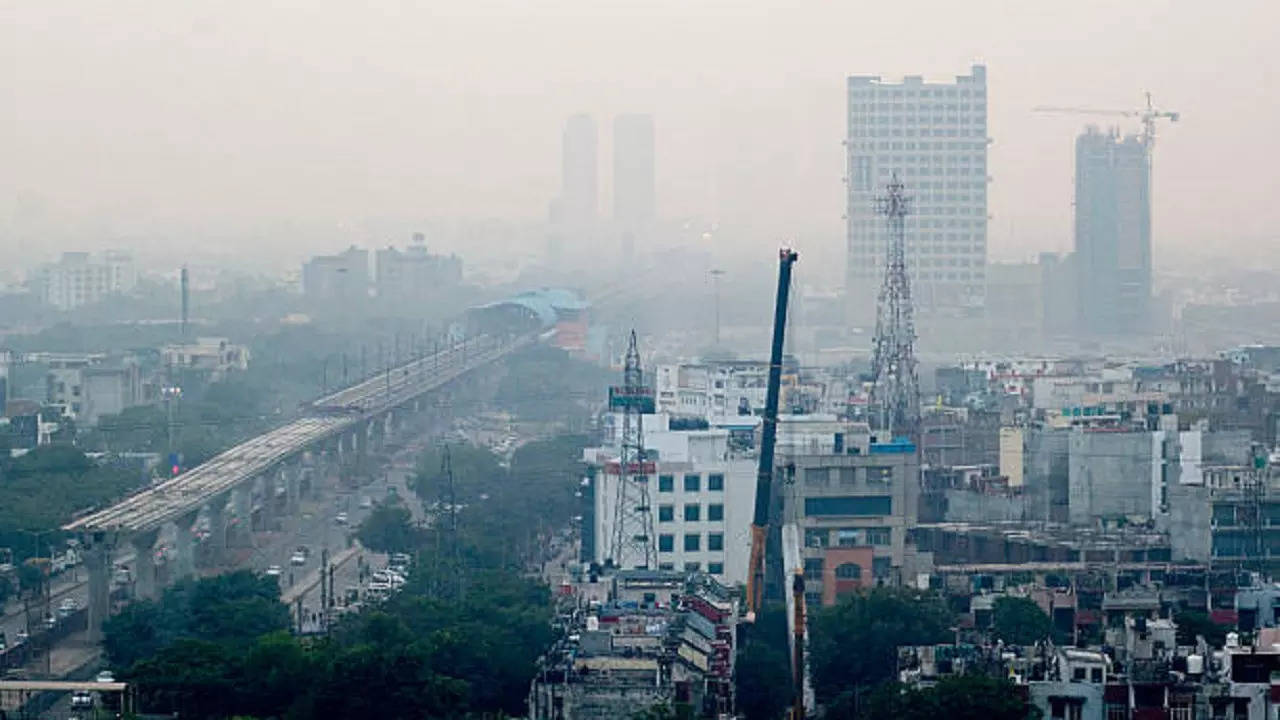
1020,621
962,697
875,622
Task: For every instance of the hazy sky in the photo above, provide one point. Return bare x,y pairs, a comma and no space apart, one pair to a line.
241,119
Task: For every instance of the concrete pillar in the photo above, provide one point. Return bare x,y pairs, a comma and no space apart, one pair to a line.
240,524
216,543
184,546
293,487
97,562
145,585
265,489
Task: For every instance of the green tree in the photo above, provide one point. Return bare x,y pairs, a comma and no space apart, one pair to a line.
875,622
389,529
1020,621
964,697
1192,624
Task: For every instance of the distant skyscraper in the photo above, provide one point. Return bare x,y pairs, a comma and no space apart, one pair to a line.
633,171
934,136
1113,233
578,193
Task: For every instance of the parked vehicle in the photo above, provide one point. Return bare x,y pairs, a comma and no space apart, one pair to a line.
273,571
81,699
298,559
106,676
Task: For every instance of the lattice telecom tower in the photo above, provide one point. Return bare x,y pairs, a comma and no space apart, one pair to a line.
633,544
895,392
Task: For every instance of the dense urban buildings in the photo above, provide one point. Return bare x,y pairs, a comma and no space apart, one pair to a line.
342,278
933,136
1113,233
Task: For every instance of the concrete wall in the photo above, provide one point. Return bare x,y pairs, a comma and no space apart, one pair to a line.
967,506
1046,471
1110,475
1190,514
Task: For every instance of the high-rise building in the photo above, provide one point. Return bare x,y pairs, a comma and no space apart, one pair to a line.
341,278
633,172
414,274
1113,233
578,192
79,278
934,137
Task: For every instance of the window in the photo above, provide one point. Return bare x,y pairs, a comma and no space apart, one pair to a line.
878,536
846,537
880,474
817,477
666,543
715,512
813,568
847,477
715,568
715,481
666,566
881,567
816,538
692,542
666,513
692,483
692,512
666,483
692,567
813,599
849,505
715,541
849,571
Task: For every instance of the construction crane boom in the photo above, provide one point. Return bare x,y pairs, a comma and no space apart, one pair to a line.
768,436
1147,114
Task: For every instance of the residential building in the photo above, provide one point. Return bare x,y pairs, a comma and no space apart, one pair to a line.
88,386
633,178
1113,233
414,274
80,278
212,358
933,137
701,496
852,511
341,278
659,638
712,389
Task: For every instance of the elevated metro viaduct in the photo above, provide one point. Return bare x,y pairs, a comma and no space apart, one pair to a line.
248,485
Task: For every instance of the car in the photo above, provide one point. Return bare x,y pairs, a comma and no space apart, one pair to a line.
81,699
273,571
106,676
340,518
366,502
401,559
50,622
298,559
68,605
20,637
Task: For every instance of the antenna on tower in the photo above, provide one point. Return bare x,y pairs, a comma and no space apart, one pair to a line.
633,543
895,390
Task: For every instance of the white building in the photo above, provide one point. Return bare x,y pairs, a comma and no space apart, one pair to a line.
702,497
79,278
934,137
711,390
214,357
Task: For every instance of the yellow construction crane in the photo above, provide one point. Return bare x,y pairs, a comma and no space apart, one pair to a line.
1147,116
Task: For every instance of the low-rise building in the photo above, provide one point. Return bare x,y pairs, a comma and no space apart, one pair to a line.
213,358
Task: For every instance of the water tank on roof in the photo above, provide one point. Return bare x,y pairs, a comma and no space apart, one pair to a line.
1195,664
1233,639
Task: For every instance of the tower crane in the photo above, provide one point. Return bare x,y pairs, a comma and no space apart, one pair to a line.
1146,115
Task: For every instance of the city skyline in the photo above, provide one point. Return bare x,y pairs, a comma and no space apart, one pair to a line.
293,164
